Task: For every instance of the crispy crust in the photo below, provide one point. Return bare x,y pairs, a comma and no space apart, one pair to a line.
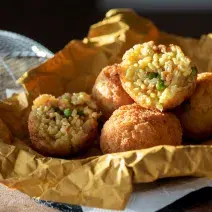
5,134
132,127
183,93
108,91
196,114
44,147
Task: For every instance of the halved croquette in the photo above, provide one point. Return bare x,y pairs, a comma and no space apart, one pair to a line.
157,76
63,126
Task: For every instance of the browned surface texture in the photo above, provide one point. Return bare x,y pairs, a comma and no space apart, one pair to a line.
132,127
108,91
15,201
196,113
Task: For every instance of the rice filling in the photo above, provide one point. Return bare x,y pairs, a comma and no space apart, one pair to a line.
154,72
70,118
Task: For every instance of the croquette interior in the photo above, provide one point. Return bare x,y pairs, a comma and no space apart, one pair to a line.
69,118
155,73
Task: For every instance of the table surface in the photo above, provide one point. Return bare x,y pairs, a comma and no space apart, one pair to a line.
15,201
55,24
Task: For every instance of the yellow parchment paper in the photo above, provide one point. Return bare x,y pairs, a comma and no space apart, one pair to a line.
104,181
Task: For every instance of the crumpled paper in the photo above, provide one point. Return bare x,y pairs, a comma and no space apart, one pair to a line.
161,194
119,31
101,181
73,69
14,113
104,181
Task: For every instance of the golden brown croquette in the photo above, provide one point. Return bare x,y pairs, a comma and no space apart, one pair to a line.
132,127
157,76
63,126
195,114
108,91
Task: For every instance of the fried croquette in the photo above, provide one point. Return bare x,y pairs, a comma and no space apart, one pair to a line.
132,127
108,91
63,126
195,114
157,76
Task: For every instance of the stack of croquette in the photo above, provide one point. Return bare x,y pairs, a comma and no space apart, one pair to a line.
149,99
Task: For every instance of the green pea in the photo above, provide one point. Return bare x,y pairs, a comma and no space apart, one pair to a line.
152,75
160,85
67,112
193,71
80,113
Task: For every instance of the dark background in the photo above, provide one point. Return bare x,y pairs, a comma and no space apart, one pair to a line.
54,24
